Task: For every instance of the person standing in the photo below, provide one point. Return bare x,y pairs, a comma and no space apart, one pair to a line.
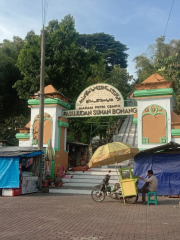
151,185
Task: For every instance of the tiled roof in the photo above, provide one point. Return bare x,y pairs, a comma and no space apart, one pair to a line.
174,117
28,124
155,81
50,89
154,78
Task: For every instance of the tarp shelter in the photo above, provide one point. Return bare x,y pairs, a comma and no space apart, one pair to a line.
165,163
9,164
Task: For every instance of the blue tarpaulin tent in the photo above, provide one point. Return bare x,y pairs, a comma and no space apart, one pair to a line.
9,164
9,172
166,168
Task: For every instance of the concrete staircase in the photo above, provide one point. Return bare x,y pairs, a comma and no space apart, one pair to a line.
127,133
132,137
83,183
124,131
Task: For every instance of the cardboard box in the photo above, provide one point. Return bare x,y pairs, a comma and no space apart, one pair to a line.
11,192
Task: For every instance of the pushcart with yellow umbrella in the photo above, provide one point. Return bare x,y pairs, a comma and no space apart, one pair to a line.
118,152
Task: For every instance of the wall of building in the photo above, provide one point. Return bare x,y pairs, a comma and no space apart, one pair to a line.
24,143
176,140
56,130
166,103
61,155
54,112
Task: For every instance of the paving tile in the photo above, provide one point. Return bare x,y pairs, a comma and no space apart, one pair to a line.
77,217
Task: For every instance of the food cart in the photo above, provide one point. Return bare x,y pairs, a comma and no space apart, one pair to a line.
128,183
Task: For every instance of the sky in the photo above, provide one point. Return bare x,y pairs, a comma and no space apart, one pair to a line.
135,23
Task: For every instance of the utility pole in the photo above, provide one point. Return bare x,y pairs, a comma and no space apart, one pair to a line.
41,104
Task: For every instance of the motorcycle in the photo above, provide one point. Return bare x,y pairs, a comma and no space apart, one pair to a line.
99,192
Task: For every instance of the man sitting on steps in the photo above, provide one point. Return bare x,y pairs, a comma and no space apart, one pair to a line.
151,185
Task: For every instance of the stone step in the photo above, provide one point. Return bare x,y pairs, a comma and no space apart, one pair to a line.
127,132
73,184
115,166
106,168
89,173
123,127
130,141
89,177
131,134
83,181
129,123
117,138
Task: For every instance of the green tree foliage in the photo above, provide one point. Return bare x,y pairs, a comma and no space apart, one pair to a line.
87,128
144,67
118,78
73,62
164,58
169,67
29,64
68,67
113,51
9,74
9,127
10,105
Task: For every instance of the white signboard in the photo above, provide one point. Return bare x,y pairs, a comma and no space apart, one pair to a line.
100,100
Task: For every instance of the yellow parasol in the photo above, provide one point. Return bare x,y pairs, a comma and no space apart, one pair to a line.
112,153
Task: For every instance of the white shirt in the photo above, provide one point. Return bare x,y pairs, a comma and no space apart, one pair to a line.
153,183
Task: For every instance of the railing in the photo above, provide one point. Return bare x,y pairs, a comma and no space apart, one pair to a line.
130,103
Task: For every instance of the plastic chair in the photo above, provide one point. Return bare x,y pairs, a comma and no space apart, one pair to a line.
152,200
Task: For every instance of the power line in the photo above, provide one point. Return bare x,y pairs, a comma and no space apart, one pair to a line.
168,18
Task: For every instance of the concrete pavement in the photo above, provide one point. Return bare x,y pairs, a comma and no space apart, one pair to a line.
77,217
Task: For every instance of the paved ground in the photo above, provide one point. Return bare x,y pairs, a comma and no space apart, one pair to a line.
77,217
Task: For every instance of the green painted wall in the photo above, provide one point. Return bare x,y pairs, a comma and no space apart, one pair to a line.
50,101
135,120
175,132
154,92
23,135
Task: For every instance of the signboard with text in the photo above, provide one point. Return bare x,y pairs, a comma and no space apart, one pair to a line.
100,100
